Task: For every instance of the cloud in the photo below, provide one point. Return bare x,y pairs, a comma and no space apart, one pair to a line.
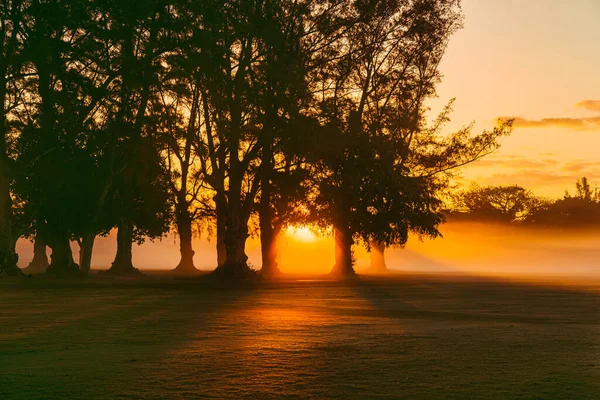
592,105
531,179
582,124
582,167
512,162
590,123
549,176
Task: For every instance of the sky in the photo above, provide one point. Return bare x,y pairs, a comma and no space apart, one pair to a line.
537,61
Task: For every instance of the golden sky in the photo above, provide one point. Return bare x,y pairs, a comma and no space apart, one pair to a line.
539,61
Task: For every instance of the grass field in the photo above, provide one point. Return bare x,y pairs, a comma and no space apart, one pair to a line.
407,336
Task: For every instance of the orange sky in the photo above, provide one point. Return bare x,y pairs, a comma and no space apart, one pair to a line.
537,60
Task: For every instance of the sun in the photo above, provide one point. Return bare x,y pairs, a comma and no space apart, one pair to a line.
301,234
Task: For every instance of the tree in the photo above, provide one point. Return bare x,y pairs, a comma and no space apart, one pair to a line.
584,191
180,106
11,14
57,121
282,97
508,203
384,166
143,33
39,263
232,57
581,210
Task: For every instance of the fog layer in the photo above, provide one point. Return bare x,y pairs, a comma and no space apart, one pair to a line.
465,248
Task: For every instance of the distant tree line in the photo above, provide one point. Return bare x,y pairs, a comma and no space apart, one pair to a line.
514,204
204,115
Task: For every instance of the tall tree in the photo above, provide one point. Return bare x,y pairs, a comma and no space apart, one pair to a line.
52,143
384,170
283,93
66,151
143,29
11,14
180,105
229,42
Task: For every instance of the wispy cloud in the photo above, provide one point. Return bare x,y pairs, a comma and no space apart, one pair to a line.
550,173
583,124
590,123
512,162
531,179
592,105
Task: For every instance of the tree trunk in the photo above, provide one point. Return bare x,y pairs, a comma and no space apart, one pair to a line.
268,233
269,252
184,229
235,240
236,260
377,257
39,264
220,206
62,263
8,255
343,252
123,263
268,243
86,248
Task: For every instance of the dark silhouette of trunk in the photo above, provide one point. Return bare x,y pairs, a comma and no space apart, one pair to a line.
39,264
182,205
123,263
236,233
59,235
8,255
184,228
235,241
62,263
236,260
268,244
268,235
343,251
377,257
86,248
220,206
221,249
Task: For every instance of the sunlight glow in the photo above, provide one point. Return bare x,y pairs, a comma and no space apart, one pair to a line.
301,234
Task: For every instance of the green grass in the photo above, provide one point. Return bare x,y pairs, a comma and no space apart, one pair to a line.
413,337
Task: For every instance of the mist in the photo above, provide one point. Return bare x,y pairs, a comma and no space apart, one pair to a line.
503,250
467,248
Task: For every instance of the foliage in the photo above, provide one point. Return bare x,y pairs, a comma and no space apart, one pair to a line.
143,115
508,203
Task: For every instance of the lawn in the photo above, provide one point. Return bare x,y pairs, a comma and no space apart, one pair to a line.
405,336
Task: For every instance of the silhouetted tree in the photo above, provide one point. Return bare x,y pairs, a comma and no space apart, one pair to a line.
508,203
584,191
62,115
283,95
143,29
581,210
144,114
11,15
39,263
383,179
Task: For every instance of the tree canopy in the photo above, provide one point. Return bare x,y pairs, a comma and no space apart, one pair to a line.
147,117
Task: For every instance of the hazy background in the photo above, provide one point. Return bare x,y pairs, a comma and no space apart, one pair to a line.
465,248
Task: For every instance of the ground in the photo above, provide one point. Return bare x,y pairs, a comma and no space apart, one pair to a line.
407,336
